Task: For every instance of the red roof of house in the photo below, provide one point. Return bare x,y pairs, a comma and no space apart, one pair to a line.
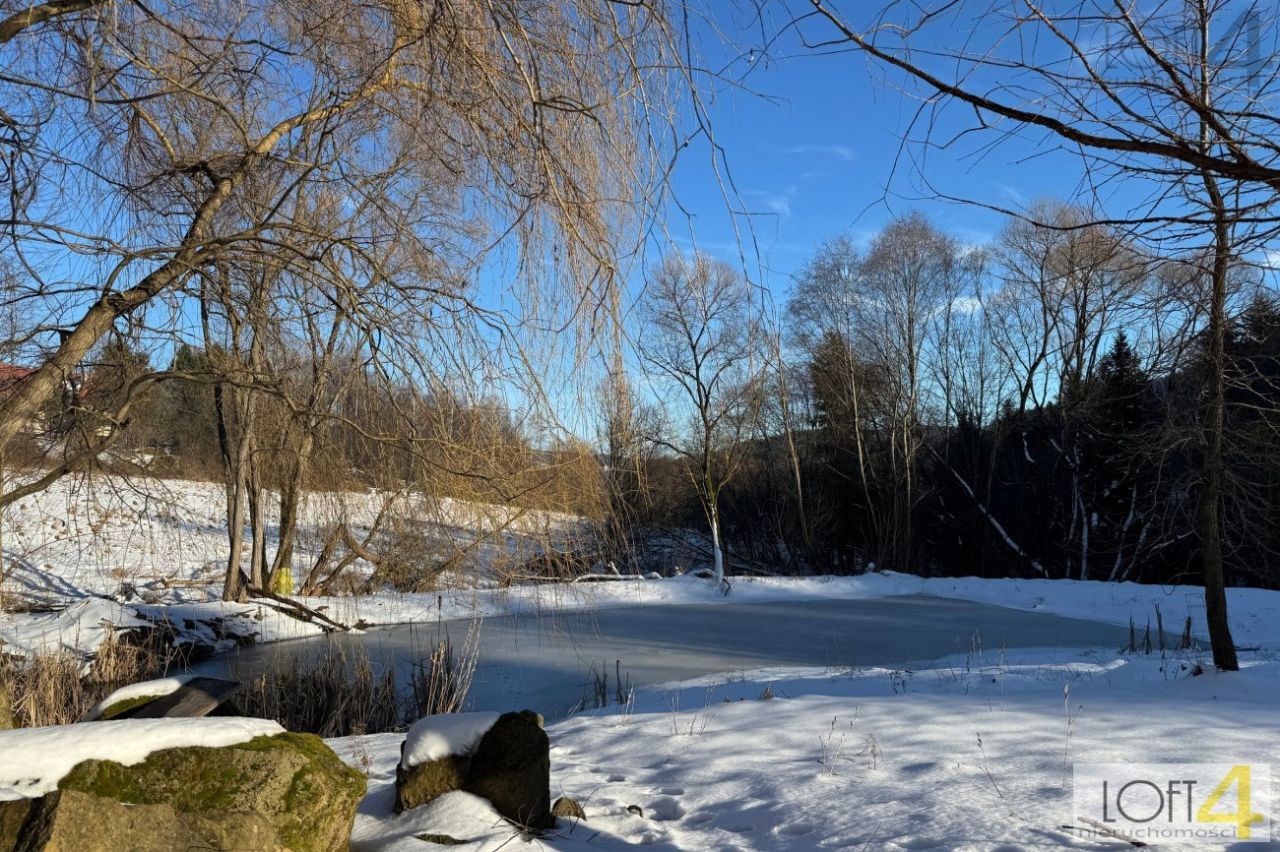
11,374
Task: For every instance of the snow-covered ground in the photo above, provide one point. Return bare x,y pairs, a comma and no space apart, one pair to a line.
112,552
166,540
973,754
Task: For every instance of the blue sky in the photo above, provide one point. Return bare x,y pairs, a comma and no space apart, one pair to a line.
816,149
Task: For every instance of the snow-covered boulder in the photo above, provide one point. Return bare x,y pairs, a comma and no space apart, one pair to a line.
134,695
34,760
505,759
269,791
434,737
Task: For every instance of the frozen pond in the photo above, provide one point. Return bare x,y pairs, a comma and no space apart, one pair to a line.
544,661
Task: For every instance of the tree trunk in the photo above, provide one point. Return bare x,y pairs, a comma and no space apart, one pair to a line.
4,574
713,514
1208,510
233,586
281,575
258,527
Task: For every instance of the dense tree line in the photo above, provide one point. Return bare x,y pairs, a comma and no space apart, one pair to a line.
1029,408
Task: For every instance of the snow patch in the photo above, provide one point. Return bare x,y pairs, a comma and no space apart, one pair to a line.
34,760
872,758
434,737
82,625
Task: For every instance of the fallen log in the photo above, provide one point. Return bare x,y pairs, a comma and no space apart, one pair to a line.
583,578
293,609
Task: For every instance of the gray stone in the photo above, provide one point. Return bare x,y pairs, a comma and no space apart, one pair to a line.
198,697
567,808
510,767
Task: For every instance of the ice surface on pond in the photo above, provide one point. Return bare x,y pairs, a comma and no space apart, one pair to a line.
546,662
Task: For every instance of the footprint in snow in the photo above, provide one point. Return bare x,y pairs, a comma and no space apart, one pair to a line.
795,829
846,841
920,767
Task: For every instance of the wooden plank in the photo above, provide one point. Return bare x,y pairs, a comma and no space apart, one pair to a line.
198,697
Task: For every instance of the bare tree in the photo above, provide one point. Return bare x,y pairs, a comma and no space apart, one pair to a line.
1168,95
369,160
782,405
881,320
1067,285
847,390
700,334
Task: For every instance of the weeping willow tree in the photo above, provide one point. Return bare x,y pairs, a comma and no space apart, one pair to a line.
353,180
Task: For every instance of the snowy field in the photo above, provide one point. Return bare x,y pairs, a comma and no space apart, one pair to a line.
166,539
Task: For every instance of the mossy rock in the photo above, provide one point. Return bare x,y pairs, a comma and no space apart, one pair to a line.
73,821
510,766
13,816
428,781
111,711
284,792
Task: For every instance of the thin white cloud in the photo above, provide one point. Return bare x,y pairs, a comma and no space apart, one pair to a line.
1012,193
778,203
839,152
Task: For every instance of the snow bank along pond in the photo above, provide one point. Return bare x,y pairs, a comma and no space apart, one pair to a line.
546,661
